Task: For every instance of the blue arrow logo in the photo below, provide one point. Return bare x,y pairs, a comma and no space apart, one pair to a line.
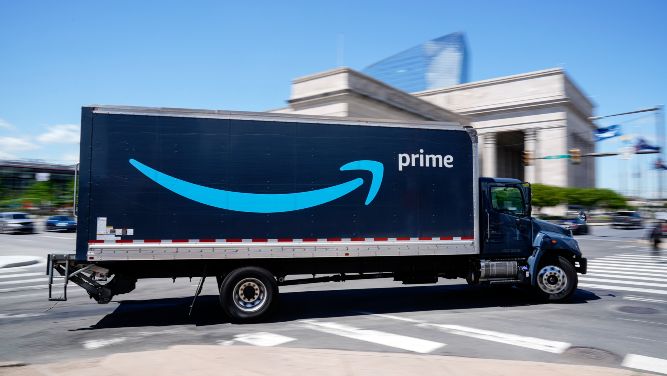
263,202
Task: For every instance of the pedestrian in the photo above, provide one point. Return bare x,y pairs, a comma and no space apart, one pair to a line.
656,235
582,215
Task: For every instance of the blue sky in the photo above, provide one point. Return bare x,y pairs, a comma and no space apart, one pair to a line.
57,56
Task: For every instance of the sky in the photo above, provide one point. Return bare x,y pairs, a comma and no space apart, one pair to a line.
56,56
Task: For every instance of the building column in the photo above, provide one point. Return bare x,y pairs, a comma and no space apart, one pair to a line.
530,145
490,157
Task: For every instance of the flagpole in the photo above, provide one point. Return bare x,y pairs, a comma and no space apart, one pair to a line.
660,133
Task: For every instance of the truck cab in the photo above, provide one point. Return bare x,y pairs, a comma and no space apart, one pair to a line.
513,242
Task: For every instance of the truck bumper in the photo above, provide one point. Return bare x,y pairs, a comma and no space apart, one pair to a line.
583,265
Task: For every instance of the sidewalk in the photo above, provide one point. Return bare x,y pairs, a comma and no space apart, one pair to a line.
243,360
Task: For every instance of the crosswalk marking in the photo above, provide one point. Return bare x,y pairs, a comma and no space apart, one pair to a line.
644,264
4,276
633,276
623,271
644,299
622,282
642,273
622,288
22,281
645,363
628,266
636,258
374,336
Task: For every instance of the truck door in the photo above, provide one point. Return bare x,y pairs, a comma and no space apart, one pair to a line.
508,225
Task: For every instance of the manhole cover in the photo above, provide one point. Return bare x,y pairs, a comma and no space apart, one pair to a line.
638,310
592,355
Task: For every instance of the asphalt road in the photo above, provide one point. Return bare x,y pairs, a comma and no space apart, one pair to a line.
619,310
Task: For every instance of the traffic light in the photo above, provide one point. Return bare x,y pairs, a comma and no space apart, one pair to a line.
527,158
575,156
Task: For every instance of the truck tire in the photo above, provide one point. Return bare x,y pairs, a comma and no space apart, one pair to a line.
556,279
248,293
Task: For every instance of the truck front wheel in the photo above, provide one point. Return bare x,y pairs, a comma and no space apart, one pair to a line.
248,293
556,279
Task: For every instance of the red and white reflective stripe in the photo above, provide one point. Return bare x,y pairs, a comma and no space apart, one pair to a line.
285,240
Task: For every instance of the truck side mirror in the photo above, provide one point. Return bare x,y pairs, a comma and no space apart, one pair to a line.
527,194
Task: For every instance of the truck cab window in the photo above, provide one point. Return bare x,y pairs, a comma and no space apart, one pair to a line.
507,200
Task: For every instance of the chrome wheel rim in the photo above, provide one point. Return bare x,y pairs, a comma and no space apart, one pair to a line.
552,279
249,294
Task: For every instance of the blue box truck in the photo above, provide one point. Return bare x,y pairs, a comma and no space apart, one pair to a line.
258,200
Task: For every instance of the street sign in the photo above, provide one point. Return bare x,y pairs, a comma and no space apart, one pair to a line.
560,156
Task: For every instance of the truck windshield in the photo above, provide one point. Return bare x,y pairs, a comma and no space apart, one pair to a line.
508,200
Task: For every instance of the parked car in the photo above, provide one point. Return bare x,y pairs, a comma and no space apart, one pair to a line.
577,225
16,223
627,219
60,223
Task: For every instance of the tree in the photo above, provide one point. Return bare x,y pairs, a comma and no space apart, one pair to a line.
545,195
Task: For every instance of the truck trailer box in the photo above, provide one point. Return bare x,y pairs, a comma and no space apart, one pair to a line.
179,184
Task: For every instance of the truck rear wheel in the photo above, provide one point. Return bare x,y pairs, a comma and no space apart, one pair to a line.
248,293
556,279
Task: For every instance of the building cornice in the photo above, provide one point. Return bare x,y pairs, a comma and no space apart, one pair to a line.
363,85
492,81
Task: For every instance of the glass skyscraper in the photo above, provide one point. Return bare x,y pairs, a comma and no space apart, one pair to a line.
438,63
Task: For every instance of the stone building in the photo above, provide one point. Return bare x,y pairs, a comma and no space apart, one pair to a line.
543,112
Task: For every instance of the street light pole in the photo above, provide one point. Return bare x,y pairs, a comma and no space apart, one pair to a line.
660,132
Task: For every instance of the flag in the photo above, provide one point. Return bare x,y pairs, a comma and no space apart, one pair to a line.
607,132
659,165
643,145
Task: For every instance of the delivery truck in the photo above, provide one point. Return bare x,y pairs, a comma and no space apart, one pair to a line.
263,200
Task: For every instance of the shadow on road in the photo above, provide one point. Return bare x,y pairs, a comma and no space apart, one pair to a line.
332,303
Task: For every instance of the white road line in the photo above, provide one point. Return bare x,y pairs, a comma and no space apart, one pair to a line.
394,317
634,276
382,338
56,237
23,268
20,315
627,266
623,282
622,288
616,276
17,275
21,281
623,271
625,246
263,339
510,339
8,297
98,343
645,363
643,299
633,261
641,257
26,288
630,262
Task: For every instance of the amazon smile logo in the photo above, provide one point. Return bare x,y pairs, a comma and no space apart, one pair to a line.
263,202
